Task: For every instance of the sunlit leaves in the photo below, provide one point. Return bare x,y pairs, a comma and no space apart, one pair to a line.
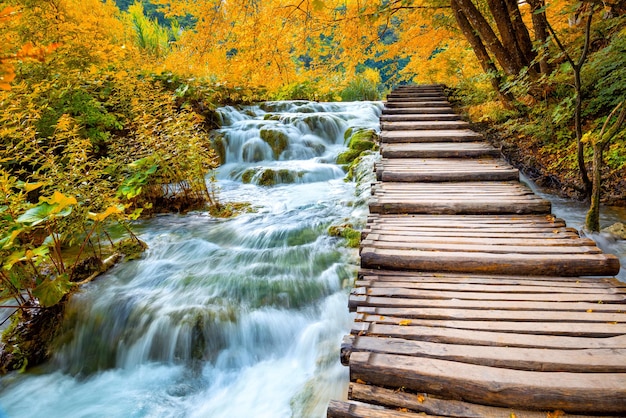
50,291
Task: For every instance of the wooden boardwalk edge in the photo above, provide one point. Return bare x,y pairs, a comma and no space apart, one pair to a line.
472,299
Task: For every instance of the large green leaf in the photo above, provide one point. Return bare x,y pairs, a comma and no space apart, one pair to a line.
50,292
42,212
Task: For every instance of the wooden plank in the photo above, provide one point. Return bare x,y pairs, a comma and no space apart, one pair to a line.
419,117
523,264
494,249
415,108
473,234
469,175
592,329
487,338
424,136
493,287
529,206
495,315
438,150
342,409
602,360
571,392
423,125
407,293
418,240
422,402
361,300
440,278
413,104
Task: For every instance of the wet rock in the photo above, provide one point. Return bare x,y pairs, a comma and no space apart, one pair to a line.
617,230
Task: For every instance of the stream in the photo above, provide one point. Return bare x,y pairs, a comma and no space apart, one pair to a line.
239,317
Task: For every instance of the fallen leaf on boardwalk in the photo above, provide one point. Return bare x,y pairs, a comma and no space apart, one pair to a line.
360,382
556,231
512,415
405,322
421,398
382,317
403,409
555,414
589,310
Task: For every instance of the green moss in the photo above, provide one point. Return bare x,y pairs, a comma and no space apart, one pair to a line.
347,231
305,236
277,140
218,143
360,141
131,248
247,175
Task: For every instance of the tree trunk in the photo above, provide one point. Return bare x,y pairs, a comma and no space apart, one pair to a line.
488,37
502,18
540,26
481,54
592,221
521,31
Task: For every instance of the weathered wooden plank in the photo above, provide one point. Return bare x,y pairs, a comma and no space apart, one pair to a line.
446,234
572,392
394,275
388,302
422,402
590,329
406,239
530,206
438,150
495,315
493,287
424,136
423,125
603,360
486,338
445,279
351,409
419,117
473,247
524,264
407,293
415,103
433,176
415,108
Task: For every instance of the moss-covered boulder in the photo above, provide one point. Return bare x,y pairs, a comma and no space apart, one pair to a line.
277,140
347,231
218,143
269,177
359,141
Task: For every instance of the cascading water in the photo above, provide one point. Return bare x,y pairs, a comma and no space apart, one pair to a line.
237,317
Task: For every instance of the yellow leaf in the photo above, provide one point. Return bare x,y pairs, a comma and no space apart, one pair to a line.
405,322
360,382
589,310
421,398
29,187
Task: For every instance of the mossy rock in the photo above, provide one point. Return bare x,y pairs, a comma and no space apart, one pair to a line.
218,143
271,177
247,175
252,153
347,231
272,116
277,140
348,156
305,236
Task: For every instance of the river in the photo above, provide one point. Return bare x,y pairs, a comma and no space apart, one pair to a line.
239,317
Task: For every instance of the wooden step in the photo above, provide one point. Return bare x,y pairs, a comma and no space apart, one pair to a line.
424,125
438,150
419,104
571,392
443,135
419,117
440,170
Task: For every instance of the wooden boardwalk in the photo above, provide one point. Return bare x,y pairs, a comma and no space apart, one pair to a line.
473,300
